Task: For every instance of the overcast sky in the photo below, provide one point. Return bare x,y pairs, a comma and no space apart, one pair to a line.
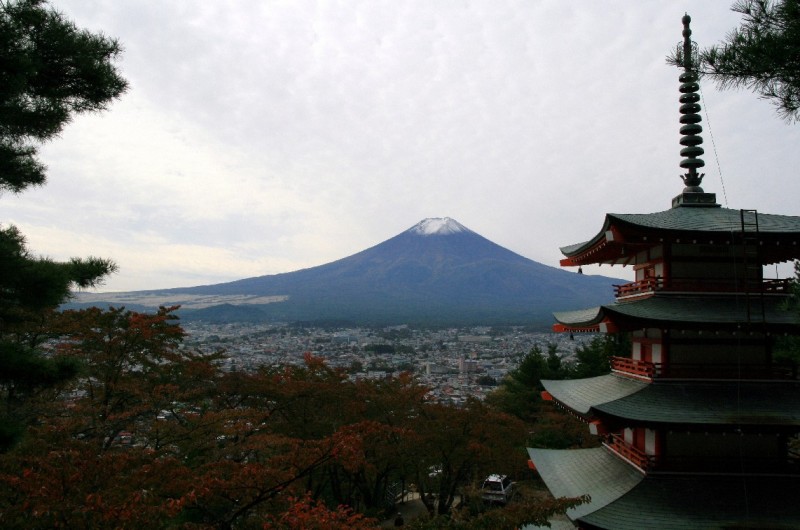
265,137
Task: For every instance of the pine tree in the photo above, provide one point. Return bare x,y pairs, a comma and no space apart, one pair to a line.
49,71
762,55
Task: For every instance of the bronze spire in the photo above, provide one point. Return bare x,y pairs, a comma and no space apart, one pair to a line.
690,107
692,194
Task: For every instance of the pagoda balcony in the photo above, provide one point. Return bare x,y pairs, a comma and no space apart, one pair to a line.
644,370
694,285
631,454
633,368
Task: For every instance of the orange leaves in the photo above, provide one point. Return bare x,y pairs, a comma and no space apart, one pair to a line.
152,435
304,513
356,445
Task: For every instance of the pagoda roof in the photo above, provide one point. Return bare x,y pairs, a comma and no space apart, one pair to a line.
719,403
622,235
575,472
708,502
689,311
624,499
581,395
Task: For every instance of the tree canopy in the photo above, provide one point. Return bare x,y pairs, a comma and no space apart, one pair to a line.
49,71
153,435
762,55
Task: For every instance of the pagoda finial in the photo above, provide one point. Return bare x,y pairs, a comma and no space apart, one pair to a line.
690,108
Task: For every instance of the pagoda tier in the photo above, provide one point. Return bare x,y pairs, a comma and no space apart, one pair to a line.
694,336
709,231
740,405
674,404
716,312
624,499
700,424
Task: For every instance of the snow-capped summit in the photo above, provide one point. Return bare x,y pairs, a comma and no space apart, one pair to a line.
438,226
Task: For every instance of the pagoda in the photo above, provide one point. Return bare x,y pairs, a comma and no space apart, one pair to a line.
700,424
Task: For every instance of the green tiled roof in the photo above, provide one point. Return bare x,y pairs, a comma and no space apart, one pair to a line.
695,221
576,472
580,317
699,309
624,499
723,403
709,220
707,502
582,394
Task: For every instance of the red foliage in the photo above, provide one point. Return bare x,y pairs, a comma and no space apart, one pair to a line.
305,513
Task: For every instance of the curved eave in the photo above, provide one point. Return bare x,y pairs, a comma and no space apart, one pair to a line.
699,311
592,320
579,320
576,472
605,248
581,395
682,311
744,404
622,235
709,502
624,499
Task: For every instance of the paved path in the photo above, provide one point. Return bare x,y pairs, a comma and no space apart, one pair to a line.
410,509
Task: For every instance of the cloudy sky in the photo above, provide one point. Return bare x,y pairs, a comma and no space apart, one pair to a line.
266,137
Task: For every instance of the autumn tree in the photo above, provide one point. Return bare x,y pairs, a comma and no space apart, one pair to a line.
525,510
95,456
762,55
151,435
50,70
460,446
380,454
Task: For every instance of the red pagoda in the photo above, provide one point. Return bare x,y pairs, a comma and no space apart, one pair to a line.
700,424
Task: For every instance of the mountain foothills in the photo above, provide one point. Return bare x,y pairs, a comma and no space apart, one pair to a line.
438,272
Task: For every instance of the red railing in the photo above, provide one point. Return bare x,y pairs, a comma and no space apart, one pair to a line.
633,367
649,285
640,287
649,370
630,453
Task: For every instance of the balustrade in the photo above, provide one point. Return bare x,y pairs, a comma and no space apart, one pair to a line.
650,285
630,453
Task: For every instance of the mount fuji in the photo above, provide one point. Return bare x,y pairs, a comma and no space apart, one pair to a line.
438,272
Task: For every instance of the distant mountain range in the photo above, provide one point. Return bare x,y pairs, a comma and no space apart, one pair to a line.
438,272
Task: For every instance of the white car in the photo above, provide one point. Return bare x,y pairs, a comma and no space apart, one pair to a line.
497,488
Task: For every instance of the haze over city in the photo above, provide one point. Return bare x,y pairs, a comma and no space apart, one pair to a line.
265,138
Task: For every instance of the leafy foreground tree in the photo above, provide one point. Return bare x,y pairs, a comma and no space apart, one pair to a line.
762,55
49,71
152,435
527,509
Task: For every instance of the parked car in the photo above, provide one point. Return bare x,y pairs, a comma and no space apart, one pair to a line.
497,488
